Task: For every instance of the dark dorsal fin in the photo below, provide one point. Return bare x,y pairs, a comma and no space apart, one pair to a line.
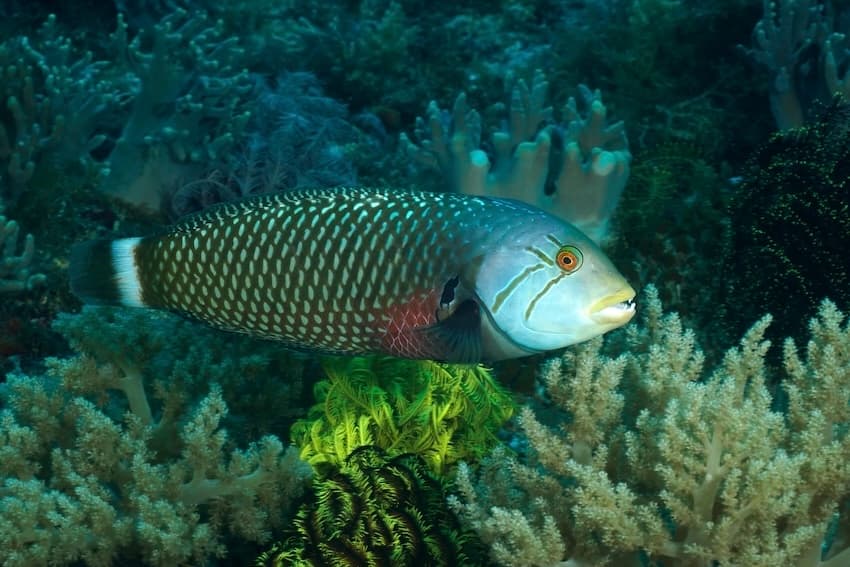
456,338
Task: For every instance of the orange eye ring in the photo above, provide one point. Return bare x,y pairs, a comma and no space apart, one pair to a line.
569,259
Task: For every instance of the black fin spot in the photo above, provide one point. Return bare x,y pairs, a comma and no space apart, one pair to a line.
448,294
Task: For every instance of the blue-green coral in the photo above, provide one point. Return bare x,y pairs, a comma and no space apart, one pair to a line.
141,109
16,260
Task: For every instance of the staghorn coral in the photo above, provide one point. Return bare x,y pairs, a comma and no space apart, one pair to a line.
94,468
657,462
378,511
441,412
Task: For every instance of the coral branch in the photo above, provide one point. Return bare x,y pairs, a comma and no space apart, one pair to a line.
576,170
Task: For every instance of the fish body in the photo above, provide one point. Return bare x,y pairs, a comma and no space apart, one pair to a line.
358,270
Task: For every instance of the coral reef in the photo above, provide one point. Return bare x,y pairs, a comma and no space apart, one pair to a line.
802,45
16,269
115,451
296,138
376,511
354,48
100,462
57,103
441,412
261,381
149,110
576,170
671,70
188,66
673,211
657,461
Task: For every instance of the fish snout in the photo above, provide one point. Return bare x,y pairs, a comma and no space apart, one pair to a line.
615,309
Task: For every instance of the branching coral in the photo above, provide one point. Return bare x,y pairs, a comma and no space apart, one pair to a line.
656,460
193,71
57,104
804,50
174,94
94,469
576,170
15,269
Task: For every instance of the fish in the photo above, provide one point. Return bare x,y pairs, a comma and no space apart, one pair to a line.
356,271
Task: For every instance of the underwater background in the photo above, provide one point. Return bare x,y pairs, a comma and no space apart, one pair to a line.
704,145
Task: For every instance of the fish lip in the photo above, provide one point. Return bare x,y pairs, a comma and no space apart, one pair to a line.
616,308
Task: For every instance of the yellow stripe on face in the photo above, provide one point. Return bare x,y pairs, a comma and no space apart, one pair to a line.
503,295
540,254
551,283
554,240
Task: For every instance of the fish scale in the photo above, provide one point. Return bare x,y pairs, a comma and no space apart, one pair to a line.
358,270
293,287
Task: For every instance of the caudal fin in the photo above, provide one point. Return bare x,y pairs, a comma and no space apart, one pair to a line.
104,272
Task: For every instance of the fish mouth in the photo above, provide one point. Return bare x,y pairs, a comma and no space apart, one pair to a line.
615,309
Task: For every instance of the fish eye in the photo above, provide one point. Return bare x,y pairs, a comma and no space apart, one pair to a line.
569,259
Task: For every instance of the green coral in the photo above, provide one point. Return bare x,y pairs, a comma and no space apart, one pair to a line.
442,412
377,511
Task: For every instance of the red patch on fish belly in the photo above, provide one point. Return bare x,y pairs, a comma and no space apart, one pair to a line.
418,312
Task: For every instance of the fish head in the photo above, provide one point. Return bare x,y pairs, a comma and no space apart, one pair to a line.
546,286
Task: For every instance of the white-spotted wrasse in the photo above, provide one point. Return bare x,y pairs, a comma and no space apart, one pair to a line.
354,271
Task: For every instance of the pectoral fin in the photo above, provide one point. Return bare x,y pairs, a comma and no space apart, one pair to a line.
457,337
